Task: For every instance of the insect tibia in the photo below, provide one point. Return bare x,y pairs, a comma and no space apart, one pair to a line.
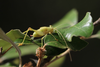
30,29
54,30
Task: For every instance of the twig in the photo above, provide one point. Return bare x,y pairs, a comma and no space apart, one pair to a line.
1,54
63,54
46,60
39,62
97,22
39,54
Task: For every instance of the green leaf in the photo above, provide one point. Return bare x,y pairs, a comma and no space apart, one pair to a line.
56,47
4,44
25,50
13,35
76,44
9,64
55,41
83,28
52,40
26,41
53,47
68,20
28,48
6,38
53,51
37,42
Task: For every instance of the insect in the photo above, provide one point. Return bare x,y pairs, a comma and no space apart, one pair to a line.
42,32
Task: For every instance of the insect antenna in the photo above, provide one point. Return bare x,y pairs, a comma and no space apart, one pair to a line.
61,36
70,56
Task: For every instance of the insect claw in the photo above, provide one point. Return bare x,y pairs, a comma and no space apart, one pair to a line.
56,56
20,44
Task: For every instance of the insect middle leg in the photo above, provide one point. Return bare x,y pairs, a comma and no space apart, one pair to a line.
42,41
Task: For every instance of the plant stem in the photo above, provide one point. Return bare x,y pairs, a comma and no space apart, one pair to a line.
39,62
40,54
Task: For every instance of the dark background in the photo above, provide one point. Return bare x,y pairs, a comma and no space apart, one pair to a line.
21,14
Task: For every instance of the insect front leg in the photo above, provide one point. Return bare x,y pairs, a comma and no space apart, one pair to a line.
26,32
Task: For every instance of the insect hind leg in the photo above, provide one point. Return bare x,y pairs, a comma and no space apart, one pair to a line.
53,36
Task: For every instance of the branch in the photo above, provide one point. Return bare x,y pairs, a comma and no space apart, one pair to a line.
63,54
46,60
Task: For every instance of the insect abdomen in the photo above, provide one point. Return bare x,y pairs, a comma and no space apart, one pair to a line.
42,31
